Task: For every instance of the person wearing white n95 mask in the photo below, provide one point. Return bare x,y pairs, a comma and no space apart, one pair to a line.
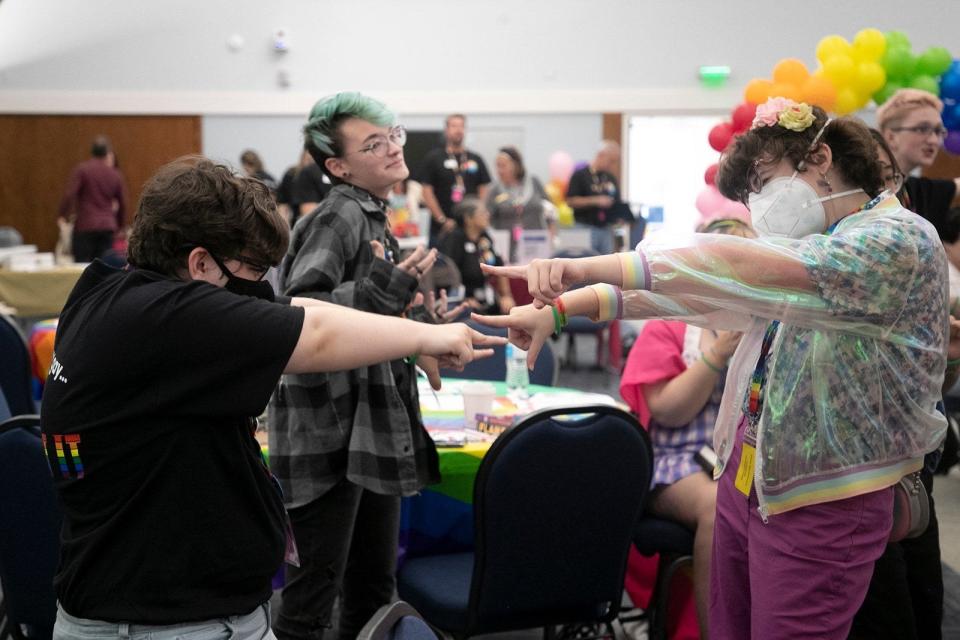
788,207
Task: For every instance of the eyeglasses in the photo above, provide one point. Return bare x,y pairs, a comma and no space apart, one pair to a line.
925,130
258,270
379,146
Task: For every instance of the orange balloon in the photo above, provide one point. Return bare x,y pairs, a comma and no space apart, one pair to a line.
790,71
757,91
784,90
820,91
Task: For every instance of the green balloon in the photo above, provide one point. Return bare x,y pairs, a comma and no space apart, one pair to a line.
934,62
897,39
898,62
886,91
926,83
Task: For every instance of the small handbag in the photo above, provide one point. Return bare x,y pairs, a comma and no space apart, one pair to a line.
911,508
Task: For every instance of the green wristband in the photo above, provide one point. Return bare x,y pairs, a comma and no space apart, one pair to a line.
557,323
953,363
712,366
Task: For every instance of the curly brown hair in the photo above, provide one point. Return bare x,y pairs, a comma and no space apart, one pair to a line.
195,202
854,154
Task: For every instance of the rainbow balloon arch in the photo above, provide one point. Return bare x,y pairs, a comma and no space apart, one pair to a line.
850,76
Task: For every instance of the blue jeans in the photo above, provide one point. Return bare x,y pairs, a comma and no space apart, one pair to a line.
252,626
601,240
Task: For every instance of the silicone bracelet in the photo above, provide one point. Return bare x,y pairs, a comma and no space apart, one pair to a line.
557,326
712,366
563,311
953,363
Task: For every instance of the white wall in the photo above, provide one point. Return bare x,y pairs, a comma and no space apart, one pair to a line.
277,138
421,56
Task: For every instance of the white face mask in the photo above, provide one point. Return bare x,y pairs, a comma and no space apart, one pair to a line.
789,208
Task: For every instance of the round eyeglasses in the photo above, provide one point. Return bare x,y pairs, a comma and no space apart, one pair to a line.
379,145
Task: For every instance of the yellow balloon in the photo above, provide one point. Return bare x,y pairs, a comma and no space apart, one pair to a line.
848,101
831,46
869,45
840,69
870,78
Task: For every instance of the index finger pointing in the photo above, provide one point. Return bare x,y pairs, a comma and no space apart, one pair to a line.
514,272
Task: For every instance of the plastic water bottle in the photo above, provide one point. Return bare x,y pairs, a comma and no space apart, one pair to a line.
518,378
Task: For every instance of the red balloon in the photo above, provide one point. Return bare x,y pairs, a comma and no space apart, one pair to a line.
720,136
743,117
710,175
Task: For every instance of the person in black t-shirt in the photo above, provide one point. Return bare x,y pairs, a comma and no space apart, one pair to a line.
467,247
287,197
448,175
593,192
253,167
171,516
310,187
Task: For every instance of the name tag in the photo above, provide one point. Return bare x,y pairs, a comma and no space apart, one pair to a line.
744,481
450,163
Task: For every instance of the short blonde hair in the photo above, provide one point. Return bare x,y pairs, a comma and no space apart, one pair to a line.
893,111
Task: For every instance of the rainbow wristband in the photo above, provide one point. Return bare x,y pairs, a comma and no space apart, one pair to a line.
610,299
634,270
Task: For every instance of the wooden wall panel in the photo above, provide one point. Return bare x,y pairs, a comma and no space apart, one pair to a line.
946,165
613,130
38,152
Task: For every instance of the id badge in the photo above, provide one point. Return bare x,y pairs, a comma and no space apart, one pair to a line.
456,195
744,481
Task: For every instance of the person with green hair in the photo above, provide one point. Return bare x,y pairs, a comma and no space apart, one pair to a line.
347,445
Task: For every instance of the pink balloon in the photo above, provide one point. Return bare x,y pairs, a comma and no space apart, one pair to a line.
709,201
560,166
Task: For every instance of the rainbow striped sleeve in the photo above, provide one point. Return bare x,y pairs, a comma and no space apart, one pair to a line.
611,302
635,272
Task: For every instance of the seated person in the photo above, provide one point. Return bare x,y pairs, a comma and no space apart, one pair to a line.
673,381
469,245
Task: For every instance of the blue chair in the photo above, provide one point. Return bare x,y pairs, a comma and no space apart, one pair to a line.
29,531
555,507
579,325
494,368
15,372
397,621
674,543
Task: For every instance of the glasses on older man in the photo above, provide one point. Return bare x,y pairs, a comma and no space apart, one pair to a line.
379,145
925,130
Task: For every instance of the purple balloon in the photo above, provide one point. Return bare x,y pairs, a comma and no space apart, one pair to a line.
951,116
952,142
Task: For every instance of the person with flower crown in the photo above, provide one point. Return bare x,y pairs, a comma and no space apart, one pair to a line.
831,396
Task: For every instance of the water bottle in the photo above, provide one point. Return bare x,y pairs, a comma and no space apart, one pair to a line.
518,378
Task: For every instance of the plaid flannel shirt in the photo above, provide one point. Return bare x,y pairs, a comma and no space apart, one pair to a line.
358,424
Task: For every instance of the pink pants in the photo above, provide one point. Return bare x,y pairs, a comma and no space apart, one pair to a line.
804,574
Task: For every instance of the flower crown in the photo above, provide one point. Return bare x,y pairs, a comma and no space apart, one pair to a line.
796,116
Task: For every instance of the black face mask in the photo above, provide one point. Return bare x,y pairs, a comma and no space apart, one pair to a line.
243,287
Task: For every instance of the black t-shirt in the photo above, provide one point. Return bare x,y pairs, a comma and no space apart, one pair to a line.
468,255
585,182
448,173
170,514
931,198
310,185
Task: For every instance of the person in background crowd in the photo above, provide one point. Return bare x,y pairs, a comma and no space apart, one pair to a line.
912,127
287,201
592,193
173,526
310,187
97,199
448,175
833,393
253,167
517,201
469,246
673,382
347,445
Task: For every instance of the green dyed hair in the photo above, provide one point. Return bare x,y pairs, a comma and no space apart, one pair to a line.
322,132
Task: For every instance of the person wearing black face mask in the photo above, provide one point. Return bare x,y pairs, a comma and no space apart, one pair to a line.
172,521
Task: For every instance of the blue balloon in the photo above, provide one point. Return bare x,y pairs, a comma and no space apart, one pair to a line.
950,85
